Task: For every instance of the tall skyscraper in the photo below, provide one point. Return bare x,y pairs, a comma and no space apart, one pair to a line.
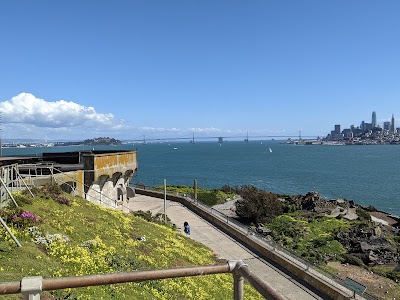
392,124
373,121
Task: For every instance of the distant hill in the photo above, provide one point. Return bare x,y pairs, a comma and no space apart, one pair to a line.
102,141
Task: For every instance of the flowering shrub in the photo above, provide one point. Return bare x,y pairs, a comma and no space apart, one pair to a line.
22,198
90,244
19,217
46,240
62,199
52,190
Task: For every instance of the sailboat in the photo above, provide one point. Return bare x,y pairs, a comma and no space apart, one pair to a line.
270,150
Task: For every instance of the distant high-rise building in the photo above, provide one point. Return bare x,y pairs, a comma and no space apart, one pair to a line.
386,125
366,126
337,129
374,119
392,124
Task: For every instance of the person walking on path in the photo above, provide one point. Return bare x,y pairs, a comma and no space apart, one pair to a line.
186,228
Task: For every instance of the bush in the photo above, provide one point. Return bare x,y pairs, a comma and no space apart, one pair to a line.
320,241
258,206
158,218
52,190
22,198
146,215
353,260
63,199
363,215
18,217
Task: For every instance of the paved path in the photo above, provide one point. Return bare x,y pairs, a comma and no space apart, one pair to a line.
223,245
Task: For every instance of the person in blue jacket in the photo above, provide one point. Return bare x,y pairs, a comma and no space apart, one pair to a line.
186,228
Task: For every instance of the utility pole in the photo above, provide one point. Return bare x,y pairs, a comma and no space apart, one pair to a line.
165,201
195,189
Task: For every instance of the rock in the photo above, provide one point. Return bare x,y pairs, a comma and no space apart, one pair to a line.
372,249
378,231
262,230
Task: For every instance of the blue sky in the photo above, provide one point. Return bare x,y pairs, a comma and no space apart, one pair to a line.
124,69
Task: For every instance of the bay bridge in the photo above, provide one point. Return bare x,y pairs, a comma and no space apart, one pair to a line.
222,138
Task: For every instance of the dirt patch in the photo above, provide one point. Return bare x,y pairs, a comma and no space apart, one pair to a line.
228,208
377,286
383,216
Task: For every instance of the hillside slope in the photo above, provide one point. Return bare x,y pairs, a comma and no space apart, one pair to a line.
67,236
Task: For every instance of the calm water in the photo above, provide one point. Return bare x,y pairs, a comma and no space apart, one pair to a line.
368,175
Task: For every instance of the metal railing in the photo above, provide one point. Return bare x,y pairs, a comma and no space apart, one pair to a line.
31,287
271,245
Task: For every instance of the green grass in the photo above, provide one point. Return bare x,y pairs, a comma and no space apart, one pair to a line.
312,238
95,240
209,197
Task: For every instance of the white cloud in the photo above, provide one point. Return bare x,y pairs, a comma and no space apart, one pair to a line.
205,130
26,116
27,109
158,129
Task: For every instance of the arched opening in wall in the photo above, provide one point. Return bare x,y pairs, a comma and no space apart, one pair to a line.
128,174
102,180
68,187
130,193
115,177
121,192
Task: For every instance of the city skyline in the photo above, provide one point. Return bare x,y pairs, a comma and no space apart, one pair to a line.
73,70
387,133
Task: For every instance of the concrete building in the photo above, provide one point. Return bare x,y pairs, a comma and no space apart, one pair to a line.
101,177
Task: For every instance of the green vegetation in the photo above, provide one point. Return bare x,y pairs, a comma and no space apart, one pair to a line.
312,238
257,206
209,197
102,141
69,236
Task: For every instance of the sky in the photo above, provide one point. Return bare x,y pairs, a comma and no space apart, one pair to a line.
71,70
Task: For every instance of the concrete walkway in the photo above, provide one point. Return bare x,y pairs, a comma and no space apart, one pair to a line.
224,246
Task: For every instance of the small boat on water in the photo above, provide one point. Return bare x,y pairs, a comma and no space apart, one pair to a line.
270,150
175,148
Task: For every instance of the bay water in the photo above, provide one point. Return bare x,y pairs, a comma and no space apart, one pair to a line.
369,175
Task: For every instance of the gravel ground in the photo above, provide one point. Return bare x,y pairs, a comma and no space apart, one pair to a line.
228,208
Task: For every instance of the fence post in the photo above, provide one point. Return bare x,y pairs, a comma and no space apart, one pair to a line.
238,283
31,287
10,232
165,200
195,189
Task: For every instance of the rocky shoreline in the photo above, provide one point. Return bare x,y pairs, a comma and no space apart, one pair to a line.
368,245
